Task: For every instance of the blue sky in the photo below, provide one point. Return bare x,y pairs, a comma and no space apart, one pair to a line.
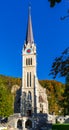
51,35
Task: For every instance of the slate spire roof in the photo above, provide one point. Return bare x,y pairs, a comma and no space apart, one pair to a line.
29,34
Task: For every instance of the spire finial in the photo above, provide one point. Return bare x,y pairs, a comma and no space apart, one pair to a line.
29,8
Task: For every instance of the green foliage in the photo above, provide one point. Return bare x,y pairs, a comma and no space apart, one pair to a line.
54,91
61,64
9,81
6,98
66,97
53,2
5,102
60,126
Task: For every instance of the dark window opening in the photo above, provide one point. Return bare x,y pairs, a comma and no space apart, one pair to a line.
19,124
41,112
27,79
30,79
28,124
31,61
29,113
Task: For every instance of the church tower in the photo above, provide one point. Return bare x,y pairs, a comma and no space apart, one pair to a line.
29,99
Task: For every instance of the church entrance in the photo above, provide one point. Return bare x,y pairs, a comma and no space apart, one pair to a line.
28,124
19,124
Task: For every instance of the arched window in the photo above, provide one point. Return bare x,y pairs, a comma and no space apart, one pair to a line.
30,79
31,61
27,79
29,96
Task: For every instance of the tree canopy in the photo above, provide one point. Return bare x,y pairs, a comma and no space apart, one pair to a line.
61,64
65,103
53,2
5,102
54,92
6,97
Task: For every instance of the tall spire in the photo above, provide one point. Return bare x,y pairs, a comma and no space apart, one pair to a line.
29,35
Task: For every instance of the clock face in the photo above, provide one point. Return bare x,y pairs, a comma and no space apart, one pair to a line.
28,50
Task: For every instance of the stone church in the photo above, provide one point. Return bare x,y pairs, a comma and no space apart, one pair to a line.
34,101
34,98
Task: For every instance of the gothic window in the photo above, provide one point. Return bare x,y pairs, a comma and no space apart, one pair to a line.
27,79
31,61
29,96
30,79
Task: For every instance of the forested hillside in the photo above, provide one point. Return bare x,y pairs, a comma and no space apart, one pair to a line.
55,97
6,95
9,86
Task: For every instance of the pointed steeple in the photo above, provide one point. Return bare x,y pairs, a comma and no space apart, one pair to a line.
29,35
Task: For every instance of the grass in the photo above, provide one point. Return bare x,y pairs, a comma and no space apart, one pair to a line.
60,126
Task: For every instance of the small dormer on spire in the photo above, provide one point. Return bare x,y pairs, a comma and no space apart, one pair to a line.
29,34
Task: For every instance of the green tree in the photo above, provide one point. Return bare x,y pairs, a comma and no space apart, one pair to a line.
66,97
54,92
6,107
53,2
61,64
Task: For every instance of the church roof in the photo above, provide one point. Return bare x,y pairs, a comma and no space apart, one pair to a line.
29,34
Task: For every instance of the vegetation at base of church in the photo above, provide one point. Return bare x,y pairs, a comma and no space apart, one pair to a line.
55,97
60,126
6,98
5,101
